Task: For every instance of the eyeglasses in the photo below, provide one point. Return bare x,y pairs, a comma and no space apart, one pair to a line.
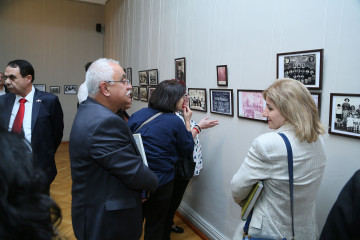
126,81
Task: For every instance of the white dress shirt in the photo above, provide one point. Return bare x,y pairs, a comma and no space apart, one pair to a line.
27,114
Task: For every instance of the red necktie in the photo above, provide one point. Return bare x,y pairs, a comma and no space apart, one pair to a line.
19,117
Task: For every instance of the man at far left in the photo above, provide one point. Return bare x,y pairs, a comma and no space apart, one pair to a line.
34,114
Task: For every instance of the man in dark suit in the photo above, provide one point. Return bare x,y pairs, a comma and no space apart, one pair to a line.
106,167
42,124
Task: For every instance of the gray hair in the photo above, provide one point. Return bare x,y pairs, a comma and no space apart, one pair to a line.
99,71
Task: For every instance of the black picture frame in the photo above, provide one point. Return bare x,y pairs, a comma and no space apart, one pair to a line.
40,87
143,78
180,69
143,92
197,99
135,93
70,89
129,75
153,77
221,101
317,99
222,75
251,104
150,91
343,119
303,66
55,89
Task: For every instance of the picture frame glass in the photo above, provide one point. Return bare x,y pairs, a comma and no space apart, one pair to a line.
129,75
197,99
143,94
180,69
345,115
153,77
251,104
222,79
143,78
70,89
135,92
221,101
55,89
40,87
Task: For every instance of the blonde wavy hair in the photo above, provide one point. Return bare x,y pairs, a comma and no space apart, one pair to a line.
296,105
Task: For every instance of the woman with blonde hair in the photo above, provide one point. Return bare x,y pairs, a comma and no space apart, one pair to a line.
291,110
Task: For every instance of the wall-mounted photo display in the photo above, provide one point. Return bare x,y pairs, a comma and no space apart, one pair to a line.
303,66
150,91
222,76
153,77
221,101
317,99
143,78
135,92
70,89
251,104
143,94
344,116
55,89
124,70
40,87
129,75
180,71
197,99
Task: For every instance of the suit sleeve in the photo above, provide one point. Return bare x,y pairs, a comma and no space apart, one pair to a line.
57,123
113,148
256,166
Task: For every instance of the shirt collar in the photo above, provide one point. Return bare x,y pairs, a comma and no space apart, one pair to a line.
29,98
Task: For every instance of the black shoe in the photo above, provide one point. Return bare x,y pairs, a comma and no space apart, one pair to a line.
177,229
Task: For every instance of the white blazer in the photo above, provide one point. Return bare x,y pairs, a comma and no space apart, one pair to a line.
267,161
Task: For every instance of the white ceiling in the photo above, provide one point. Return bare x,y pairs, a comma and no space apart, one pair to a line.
102,2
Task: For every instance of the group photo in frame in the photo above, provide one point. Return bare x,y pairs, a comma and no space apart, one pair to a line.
135,92
143,92
303,66
344,119
317,100
251,104
40,87
55,89
221,101
222,76
70,89
180,71
150,91
197,99
153,77
143,78
129,75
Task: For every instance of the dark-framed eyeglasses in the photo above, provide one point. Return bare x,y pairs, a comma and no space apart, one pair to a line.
126,81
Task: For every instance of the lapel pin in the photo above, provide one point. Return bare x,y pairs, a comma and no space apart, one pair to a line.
39,100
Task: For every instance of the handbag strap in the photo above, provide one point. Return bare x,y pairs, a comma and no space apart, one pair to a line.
291,185
149,120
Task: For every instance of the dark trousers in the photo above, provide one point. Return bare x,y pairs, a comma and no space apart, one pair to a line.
177,195
155,210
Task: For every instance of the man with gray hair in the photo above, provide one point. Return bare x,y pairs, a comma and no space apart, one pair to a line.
106,167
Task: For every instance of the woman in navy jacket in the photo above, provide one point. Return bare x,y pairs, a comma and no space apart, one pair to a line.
164,138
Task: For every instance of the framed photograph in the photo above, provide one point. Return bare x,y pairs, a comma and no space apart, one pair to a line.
251,104
143,94
180,71
197,99
129,75
222,78
150,91
55,89
135,92
40,87
317,99
344,116
125,70
143,78
303,66
221,101
70,89
153,77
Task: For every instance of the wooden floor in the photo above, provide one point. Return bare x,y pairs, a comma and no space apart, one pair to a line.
61,193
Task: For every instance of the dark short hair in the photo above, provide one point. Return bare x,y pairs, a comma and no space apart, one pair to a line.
87,66
347,99
25,68
167,94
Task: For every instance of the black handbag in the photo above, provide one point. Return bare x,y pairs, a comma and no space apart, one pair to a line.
185,167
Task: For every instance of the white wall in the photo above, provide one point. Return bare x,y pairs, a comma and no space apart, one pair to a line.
57,37
246,35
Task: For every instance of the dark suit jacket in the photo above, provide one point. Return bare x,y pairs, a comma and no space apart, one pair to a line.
47,125
108,175
343,221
